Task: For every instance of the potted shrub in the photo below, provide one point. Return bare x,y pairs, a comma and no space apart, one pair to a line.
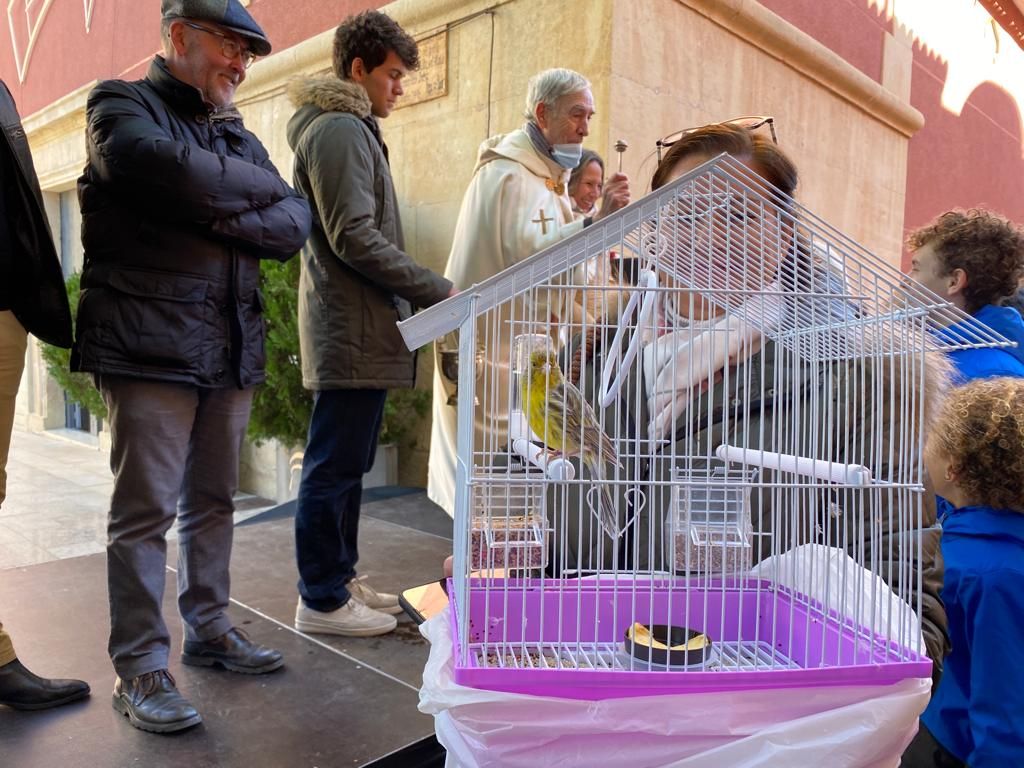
78,386
282,407
404,411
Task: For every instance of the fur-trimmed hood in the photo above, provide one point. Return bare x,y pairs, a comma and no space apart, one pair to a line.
315,96
330,94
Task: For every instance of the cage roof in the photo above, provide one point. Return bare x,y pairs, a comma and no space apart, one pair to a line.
696,232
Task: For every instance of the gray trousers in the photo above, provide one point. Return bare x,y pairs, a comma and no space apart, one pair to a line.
174,453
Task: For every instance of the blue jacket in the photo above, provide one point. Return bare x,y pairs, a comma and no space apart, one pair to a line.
991,361
977,712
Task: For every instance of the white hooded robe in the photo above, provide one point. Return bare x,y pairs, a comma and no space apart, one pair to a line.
516,205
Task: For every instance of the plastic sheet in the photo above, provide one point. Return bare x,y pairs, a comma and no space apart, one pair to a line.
839,726
848,587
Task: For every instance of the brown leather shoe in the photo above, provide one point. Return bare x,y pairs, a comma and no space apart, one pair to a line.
151,702
234,651
21,689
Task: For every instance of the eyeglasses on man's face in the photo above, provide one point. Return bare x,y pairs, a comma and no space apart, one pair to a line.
750,122
230,47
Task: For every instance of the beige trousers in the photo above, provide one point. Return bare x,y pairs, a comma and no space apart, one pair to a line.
13,340
7,654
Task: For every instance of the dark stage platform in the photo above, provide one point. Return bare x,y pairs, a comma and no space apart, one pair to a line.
337,702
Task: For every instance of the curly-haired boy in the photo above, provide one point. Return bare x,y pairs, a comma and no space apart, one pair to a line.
975,260
975,457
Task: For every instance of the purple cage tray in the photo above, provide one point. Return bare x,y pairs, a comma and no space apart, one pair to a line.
568,642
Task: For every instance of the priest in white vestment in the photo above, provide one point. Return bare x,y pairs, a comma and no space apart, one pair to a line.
516,205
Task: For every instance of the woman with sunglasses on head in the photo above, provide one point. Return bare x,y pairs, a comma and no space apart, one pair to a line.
749,123
750,389
602,275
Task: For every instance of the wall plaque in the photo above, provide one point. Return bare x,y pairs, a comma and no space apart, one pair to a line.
430,81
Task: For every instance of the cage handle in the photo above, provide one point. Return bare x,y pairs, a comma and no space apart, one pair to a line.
647,284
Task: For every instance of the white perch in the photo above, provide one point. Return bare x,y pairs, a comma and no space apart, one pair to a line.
550,462
829,471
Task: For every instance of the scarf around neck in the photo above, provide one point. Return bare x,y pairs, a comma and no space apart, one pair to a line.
537,139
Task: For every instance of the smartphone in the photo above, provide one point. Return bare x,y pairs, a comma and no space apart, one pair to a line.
425,601
428,600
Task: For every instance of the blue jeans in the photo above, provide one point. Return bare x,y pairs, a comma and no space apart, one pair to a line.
342,442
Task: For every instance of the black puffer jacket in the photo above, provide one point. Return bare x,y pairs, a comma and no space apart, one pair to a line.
179,204
33,284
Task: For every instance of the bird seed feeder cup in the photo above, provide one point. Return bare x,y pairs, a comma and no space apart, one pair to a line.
508,530
710,532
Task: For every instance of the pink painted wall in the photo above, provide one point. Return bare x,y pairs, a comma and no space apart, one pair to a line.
973,159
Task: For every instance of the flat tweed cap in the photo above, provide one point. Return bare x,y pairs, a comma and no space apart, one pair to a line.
227,13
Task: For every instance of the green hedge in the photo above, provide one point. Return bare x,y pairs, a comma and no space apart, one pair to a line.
281,407
79,386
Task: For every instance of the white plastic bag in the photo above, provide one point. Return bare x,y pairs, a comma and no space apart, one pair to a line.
836,580
839,727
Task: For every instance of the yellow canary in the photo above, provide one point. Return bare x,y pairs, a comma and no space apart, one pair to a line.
558,415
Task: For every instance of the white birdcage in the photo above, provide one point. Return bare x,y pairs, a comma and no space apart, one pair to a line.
746,509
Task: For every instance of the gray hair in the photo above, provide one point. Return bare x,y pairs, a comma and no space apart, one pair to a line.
165,35
549,86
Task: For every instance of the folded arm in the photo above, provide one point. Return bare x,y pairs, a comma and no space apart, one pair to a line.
234,198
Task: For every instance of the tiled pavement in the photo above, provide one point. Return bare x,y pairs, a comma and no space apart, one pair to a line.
58,494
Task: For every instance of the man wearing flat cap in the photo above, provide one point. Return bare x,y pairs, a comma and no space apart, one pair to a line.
179,205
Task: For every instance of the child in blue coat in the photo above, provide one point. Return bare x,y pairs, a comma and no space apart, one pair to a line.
975,458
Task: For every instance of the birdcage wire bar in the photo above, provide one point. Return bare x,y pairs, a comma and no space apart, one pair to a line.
761,382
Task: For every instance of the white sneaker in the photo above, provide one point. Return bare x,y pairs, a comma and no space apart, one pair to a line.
353,619
379,601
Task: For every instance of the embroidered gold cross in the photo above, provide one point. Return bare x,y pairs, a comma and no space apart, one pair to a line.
542,221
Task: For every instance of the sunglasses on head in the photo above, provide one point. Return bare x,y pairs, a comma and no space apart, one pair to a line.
750,122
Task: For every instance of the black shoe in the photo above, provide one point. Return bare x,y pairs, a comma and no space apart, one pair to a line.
234,651
152,703
20,689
